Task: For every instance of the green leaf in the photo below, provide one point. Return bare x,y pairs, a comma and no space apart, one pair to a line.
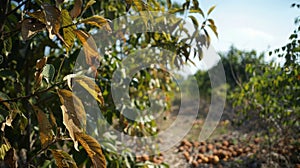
5,73
195,22
297,49
48,72
211,9
7,43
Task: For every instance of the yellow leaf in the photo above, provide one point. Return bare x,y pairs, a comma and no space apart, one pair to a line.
90,3
93,149
214,29
68,31
45,128
211,9
53,119
63,159
75,12
39,15
89,46
140,5
98,21
4,147
74,116
89,85
13,111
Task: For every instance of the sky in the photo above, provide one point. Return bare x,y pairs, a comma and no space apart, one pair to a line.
261,25
252,24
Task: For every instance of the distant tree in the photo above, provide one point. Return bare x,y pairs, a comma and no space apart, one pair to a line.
271,95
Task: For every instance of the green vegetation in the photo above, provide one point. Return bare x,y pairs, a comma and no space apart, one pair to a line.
43,122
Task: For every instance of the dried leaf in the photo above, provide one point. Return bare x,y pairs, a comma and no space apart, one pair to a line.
45,128
93,149
89,46
74,116
29,27
75,12
11,158
63,159
53,119
39,68
39,15
69,35
13,110
40,63
89,85
53,19
98,21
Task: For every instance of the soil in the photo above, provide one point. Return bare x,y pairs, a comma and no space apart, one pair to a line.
228,146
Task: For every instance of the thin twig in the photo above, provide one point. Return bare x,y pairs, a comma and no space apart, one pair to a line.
31,95
59,69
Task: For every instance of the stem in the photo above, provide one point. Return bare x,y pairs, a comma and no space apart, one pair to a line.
59,69
46,148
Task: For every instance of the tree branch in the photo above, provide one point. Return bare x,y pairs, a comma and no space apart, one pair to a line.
31,95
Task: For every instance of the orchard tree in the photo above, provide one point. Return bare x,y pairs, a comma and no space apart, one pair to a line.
42,121
271,94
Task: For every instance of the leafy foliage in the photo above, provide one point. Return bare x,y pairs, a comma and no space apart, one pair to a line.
271,94
40,41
